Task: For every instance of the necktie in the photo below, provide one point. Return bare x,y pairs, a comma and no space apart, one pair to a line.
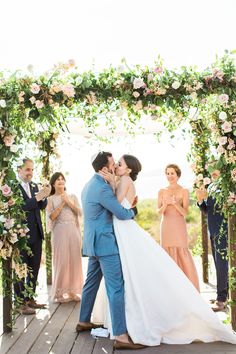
27,189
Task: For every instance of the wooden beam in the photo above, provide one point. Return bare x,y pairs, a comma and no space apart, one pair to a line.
7,294
232,272
204,248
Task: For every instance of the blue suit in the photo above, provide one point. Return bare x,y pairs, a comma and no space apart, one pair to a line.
99,204
34,223
218,230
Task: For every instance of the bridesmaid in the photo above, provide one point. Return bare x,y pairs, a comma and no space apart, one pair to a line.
63,211
172,204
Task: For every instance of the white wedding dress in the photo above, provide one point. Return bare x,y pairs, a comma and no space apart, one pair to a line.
161,304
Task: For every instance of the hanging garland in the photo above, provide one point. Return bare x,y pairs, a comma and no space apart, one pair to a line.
32,108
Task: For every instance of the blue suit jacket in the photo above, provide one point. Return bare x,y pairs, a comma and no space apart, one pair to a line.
32,209
215,218
99,203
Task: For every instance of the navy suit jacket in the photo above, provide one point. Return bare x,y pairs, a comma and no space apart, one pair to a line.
215,218
32,209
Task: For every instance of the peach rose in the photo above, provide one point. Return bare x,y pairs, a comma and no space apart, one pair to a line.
8,140
6,190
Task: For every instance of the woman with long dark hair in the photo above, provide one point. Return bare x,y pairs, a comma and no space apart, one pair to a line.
63,211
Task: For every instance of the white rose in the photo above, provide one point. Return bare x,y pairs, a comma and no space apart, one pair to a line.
3,103
78,80
138,83
136,94
223,115
119,112
14,148
176,85
2,218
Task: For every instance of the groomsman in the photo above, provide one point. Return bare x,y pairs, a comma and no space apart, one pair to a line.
218,230
34,201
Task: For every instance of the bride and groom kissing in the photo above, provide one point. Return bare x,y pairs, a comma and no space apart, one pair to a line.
151,301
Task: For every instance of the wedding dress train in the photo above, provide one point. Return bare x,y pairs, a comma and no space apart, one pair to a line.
162,305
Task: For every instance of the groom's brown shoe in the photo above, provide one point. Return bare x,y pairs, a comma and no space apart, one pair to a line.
130,345
81,328
219,306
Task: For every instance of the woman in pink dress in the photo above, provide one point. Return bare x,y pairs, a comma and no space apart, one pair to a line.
63,211
173,202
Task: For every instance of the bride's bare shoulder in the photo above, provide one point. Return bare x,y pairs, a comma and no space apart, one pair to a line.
126,180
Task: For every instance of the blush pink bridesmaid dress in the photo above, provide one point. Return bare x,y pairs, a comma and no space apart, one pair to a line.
174,239
66,247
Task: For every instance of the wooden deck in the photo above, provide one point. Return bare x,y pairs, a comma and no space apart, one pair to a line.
52,330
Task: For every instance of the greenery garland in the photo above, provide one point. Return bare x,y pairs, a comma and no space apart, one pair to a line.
36,108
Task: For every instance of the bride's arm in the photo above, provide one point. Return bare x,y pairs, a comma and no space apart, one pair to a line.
123,187
183,210
161,202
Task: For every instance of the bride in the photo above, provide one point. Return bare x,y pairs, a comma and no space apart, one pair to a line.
161,304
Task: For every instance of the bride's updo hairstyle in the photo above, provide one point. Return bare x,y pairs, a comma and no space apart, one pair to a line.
133,163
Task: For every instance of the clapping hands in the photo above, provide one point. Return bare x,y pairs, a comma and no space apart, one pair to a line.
43,192
169,200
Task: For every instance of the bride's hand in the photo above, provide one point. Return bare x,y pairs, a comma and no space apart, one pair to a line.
167,201
108,176
135,201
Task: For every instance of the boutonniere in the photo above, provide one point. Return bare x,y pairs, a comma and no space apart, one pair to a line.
32,185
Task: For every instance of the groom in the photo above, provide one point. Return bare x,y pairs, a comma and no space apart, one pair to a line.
99,203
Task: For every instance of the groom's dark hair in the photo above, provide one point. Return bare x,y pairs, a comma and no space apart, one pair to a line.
101,160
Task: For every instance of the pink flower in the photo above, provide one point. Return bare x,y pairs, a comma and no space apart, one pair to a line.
199,177
231,144
39,104
233,175
138,83
21,96
32,99
9,223
68,90
223,98
138,106
215,175
147,92
158,70
220,149
217,73
11,202
8,140
206,181
227,127
6,190
213,127
193,166
35,88
231,198
222,140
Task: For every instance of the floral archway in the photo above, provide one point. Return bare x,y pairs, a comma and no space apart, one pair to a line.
38,108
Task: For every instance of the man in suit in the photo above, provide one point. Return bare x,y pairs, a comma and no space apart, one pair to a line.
34,201
218,230
99,204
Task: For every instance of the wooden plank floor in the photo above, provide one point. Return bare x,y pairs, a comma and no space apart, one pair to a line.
52,330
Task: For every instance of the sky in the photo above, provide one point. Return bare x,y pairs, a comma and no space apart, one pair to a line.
98,33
